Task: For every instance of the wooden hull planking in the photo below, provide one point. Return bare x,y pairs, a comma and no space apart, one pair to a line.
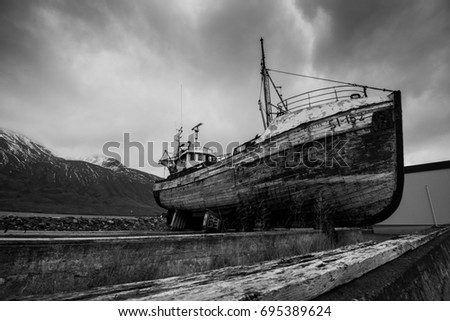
346,158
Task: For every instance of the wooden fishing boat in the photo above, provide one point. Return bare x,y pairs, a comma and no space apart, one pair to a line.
329,156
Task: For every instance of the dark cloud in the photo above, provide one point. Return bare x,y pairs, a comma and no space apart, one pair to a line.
74,74
405,36
395,44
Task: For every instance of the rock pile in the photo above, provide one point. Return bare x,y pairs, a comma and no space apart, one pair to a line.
70,223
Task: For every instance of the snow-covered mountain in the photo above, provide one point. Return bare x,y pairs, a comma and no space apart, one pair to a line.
13,145
33,179
107,162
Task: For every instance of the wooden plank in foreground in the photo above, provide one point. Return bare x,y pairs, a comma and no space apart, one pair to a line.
296,278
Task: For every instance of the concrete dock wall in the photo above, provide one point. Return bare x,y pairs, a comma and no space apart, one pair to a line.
46,266
418,267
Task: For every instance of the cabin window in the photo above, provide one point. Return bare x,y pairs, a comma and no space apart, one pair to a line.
200,157
192,157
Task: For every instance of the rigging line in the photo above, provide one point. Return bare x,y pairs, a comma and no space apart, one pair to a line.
329,80
279,96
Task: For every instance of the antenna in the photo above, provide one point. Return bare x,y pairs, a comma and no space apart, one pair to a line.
196,130
181,106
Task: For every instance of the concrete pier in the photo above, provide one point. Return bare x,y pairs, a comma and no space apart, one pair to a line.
48,265
336,274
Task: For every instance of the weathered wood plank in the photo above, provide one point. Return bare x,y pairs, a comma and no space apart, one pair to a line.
295,278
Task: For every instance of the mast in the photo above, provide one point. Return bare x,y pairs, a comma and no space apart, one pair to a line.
177,146
266,88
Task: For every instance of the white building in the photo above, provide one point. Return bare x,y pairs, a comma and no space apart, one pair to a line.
425,201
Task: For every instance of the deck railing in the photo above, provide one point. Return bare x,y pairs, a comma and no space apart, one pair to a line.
321,96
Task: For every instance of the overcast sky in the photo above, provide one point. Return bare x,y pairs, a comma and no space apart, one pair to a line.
77,74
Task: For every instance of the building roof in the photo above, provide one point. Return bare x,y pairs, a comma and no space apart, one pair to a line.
427,167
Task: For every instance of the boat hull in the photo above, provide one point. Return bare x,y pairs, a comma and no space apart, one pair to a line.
344,163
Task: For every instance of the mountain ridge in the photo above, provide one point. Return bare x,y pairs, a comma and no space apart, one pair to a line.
33,179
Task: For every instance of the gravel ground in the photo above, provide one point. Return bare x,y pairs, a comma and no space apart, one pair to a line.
72,223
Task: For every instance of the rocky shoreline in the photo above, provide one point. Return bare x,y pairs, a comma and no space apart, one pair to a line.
71,223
